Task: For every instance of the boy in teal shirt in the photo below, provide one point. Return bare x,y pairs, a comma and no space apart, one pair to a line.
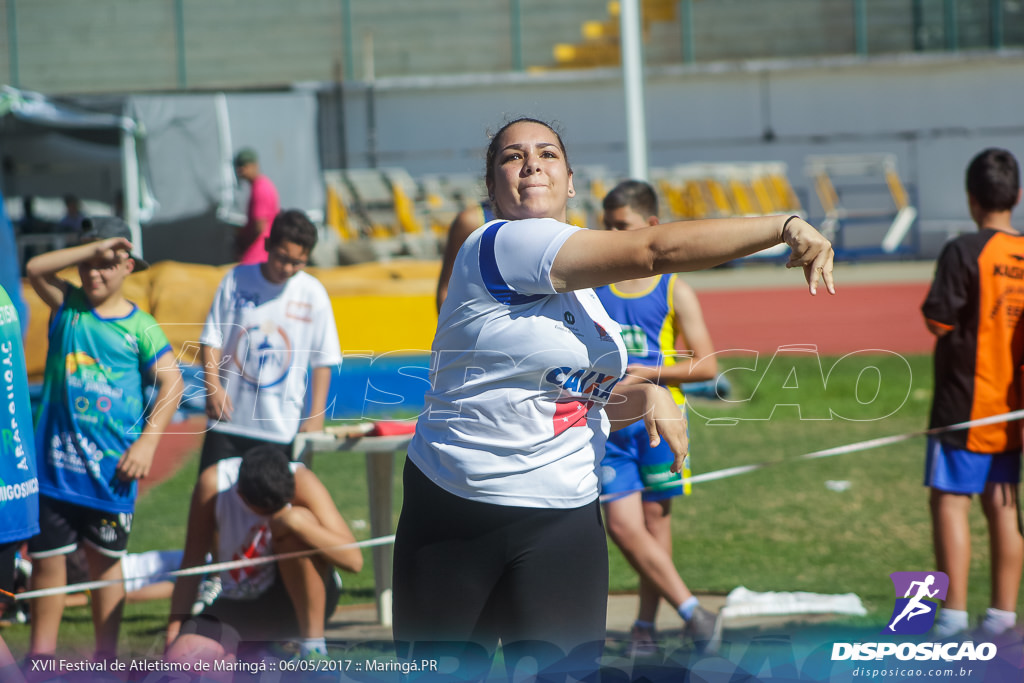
94,437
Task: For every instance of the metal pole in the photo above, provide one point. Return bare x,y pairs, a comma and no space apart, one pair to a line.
380,481
130,187
997,23
950,16
686,17
917,10
516,21
633,85
12,43
371,102
348,40
860,26
179,40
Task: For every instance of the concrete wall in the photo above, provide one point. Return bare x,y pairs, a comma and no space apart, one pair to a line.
71,46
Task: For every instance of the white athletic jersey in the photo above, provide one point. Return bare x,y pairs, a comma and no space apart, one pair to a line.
269,336
241,533
519,375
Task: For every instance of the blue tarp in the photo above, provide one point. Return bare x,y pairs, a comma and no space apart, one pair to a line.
10,272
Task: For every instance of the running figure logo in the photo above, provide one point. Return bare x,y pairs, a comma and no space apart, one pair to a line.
915,612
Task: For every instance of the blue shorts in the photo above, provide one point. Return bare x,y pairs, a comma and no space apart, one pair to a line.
630,465
956,470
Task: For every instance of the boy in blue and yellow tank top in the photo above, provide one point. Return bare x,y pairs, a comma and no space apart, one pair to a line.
659,315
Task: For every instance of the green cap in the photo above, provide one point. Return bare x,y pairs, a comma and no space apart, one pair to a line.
246,155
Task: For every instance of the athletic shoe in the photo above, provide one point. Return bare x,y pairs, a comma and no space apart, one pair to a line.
705,629
209,590
642,642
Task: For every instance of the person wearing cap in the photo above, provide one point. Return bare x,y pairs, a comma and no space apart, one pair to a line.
263,206
95,434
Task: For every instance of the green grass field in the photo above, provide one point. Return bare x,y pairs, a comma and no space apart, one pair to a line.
779,528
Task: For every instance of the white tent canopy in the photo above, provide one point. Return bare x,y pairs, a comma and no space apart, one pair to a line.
50,150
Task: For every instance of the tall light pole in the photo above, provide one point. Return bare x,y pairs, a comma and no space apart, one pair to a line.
633,87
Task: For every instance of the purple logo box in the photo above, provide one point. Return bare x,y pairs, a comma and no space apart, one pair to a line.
917,595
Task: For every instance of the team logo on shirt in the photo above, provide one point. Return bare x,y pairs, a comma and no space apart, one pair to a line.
635,339
590,384
90,375
1003,270
586,383
131,342
263,355
299,310
252,579
570,414
76,360
601,332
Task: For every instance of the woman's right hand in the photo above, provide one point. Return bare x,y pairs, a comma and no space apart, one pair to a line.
663,419
657,408
811,251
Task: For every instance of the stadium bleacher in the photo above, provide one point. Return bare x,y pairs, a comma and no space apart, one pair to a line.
398,215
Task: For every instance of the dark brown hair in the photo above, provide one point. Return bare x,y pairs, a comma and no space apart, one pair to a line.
993,180
636,194
492,148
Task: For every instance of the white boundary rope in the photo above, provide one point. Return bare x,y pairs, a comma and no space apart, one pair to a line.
201,569
828,452
699,479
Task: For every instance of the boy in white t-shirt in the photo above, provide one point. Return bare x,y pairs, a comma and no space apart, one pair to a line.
269,334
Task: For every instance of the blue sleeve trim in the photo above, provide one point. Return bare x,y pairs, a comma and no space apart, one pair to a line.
156,356
495,283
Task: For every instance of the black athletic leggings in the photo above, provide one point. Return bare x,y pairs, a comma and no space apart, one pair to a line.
468,573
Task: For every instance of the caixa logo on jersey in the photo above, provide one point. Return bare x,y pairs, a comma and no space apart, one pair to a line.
914,613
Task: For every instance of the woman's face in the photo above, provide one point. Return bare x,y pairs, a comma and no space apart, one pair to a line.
530,177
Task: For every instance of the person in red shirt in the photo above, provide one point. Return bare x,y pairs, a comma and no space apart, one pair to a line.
263,207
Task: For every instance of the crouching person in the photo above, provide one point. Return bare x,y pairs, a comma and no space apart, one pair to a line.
255,506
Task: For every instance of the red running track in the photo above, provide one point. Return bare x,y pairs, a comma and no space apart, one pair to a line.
856,318
859,317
